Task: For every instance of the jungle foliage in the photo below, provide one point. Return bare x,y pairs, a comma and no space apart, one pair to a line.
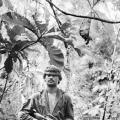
82,40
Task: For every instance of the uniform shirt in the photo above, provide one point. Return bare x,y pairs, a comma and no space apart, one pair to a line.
40,103
52,101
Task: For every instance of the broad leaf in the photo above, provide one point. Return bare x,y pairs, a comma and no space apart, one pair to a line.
20,45
32,50
8,64
31,36
78,51
12,32
55,37
56,56
17,19
24,54
69,42
1,3
20,67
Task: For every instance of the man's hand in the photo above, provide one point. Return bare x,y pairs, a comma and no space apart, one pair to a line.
48,118
51,117
34,119
39,116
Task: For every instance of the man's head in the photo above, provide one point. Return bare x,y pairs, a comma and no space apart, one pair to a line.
52,76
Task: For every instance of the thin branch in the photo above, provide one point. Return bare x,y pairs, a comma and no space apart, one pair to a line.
103,117
95,3
82,16
56,18
38,40
105,105
90,4
1,68
92,8
58,22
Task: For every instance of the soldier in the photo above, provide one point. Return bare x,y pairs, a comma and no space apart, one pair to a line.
49,104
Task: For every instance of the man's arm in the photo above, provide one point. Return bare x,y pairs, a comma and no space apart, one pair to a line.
29,109
26,111
69,112
25,116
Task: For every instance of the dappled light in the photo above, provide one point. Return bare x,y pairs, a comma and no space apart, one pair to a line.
81,38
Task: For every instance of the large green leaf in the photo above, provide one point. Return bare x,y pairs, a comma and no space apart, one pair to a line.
15,18
56,56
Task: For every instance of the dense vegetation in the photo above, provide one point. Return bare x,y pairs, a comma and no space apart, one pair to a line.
81,37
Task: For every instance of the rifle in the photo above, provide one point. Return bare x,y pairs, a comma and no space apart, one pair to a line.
39,116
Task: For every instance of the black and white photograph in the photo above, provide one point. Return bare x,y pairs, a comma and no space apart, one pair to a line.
59,59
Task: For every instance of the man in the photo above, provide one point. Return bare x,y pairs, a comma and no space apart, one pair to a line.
50,104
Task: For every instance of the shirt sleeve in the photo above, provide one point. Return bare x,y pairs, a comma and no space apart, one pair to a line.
69,112
26,113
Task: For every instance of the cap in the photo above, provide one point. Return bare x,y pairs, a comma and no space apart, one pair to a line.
52,70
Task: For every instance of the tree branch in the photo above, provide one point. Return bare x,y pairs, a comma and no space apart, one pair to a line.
38,40
82,16
58,22
1,68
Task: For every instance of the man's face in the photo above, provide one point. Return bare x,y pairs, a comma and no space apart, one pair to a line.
51,80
